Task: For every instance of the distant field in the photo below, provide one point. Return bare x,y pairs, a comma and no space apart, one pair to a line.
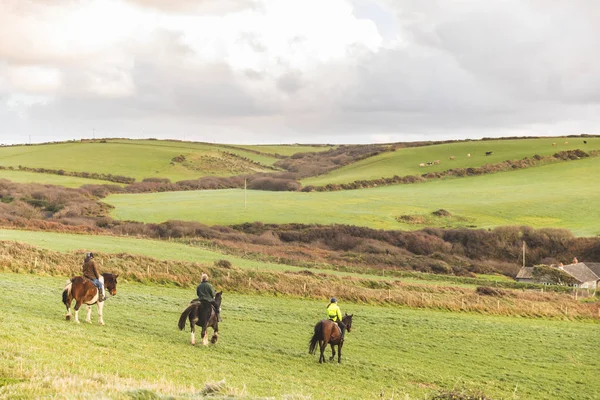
392,352
50,179
136,158
561,195
288,150
161,250
164,250
406,161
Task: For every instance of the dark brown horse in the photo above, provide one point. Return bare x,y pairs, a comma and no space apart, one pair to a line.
202,314
83,291
328,332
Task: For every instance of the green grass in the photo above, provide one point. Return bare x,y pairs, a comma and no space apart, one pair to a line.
262,350
161,250
167,250
135,158
406,161
50,179
563,195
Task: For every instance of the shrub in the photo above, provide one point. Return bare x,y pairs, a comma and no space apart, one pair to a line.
222,263
490,291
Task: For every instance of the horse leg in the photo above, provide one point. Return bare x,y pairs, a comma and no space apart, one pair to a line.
193,329
340,352
77,305
332,352
215,335
88,316
204,335
322,346
68,305
100,306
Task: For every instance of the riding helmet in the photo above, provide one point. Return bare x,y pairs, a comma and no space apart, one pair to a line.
333,300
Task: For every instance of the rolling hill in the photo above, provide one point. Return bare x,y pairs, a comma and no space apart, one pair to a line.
562,195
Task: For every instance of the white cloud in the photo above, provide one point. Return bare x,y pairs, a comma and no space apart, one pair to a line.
339,70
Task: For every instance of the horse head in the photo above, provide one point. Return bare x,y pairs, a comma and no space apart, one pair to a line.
110,283
347,320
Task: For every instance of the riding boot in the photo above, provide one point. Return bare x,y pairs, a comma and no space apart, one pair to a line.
342,330
101,295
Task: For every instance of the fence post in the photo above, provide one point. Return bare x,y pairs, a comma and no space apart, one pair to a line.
148,269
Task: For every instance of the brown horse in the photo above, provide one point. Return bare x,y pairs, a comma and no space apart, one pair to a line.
328,332
83,291
202,314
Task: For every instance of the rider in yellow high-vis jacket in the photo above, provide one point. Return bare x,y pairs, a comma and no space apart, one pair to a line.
335,315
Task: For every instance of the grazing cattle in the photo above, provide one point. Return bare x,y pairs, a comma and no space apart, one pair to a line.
566,142
553,144
469,155
422,165
488,153
429,163
585,142
451,157
436,162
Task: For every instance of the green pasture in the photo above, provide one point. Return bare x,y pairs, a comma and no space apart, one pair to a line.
171,250
287,149
159,249
135,158
562,195
262,351
50,179
405,161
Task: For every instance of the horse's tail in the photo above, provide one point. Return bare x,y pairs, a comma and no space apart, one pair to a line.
315,338
67,292
184,316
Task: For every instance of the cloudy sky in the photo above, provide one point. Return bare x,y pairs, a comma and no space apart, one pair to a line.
298,71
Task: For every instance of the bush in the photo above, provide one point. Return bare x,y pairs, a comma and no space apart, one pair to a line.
275,184
222,264
490,291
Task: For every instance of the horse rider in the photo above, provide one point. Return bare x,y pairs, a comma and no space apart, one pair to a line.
334,314
206,292
90,271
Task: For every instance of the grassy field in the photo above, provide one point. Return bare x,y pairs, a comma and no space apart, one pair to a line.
161,250
136,158
50,179
406,161
558,195
262,351
168,250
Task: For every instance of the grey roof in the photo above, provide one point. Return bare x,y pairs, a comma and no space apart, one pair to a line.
581,272
525,273
594,266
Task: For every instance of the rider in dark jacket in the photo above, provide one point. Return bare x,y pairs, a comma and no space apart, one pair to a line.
206,292
90,271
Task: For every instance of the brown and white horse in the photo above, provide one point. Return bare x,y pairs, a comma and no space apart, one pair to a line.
83,291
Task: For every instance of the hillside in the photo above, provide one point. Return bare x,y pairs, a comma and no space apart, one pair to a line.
406,161
138,159
560,195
